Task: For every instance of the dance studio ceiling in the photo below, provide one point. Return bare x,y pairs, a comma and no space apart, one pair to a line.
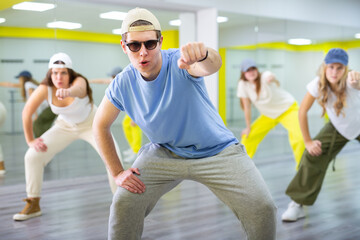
339,20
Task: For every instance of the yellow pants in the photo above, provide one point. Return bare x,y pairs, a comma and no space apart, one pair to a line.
133,134
262,125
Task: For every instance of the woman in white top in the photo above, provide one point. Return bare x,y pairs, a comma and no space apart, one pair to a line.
44,117
69,96
337,91
275,105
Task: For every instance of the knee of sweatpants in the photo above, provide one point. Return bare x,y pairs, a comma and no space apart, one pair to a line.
32,157
268,207
125,202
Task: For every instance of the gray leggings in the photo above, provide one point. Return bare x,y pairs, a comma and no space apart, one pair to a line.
231,175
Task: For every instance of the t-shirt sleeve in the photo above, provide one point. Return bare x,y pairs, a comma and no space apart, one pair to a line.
113,93
313,87
30,85
241,91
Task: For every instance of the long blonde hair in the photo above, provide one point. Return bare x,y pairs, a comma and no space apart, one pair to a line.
339,90
257,84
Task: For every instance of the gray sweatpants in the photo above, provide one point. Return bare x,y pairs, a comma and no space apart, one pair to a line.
231,175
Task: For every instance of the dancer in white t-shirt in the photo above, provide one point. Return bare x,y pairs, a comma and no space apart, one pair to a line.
275,105
337,91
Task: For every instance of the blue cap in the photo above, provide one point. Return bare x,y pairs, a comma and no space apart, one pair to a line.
337,55
24,74
115,71
246,64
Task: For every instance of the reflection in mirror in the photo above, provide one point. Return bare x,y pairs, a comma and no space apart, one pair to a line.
266,41
27,45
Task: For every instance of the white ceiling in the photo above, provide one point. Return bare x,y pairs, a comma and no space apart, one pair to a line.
320,20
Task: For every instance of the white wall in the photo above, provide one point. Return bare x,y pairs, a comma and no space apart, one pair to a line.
93,60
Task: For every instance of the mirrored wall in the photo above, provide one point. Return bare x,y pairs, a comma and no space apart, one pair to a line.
27,44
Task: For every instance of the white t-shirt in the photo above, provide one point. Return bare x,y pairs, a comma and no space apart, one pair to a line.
347,125
30,85
272,100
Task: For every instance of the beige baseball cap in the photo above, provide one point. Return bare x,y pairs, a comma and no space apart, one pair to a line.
139,14
63,57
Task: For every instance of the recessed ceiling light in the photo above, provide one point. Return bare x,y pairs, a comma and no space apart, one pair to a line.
115,15
222,19
116,31
2,20
64,25
357,35
34,6
299,41
177,22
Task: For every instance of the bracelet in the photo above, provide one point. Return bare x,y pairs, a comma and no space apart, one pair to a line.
207,53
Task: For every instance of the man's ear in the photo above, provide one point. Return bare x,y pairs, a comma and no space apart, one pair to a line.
161,41
123,46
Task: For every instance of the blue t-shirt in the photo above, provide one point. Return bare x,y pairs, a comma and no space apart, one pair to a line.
174,110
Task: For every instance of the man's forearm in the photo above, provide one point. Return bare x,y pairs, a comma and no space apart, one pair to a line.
105,143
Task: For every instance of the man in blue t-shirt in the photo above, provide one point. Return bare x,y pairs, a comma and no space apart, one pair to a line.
164,93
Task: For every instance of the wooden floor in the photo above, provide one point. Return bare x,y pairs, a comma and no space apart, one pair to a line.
76,198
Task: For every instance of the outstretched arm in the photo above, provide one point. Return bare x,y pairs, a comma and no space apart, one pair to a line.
199,60
77,89
10,84
101,80
105,116
270,78
313,146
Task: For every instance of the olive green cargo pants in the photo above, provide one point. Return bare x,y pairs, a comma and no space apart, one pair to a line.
305,186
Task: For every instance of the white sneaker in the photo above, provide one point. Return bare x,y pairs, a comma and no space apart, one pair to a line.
128,151
23,217
293,213
130,158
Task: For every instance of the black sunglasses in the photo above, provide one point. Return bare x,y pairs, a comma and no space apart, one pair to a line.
136,46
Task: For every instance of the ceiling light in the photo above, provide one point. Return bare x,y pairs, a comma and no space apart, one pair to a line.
222,19
34,6
115,15
177,22
64,25
299,41
116,31
357,35
2,20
